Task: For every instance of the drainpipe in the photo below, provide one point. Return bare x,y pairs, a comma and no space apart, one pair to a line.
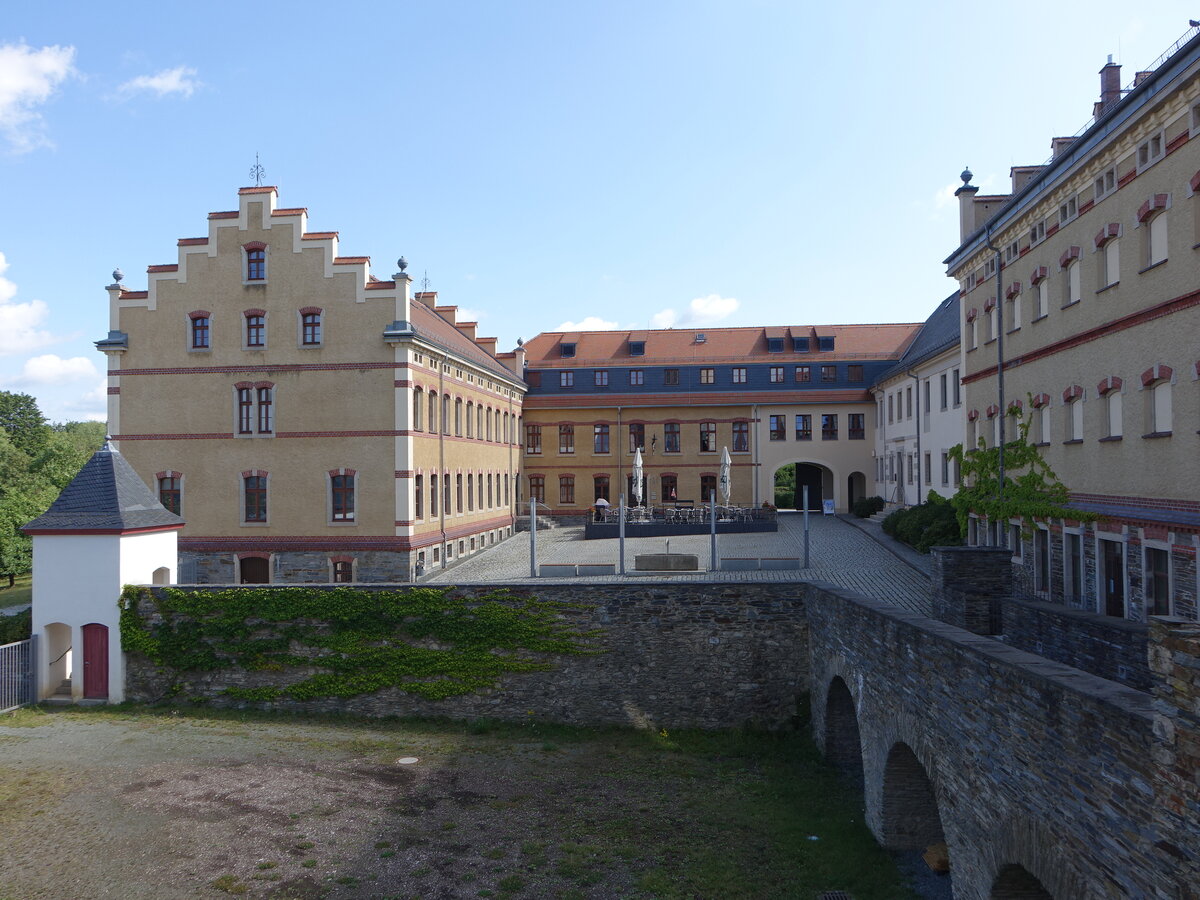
920,484
754,478
620,444
442,452
1003,413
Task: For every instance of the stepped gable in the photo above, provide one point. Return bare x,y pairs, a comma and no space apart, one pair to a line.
106,497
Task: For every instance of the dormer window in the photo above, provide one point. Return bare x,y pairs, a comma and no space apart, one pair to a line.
1151,150
700,338
1106,182
567,351
637,348
1067,211
799,345
825,343
774,345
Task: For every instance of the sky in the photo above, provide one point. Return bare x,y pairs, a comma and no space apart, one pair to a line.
546,165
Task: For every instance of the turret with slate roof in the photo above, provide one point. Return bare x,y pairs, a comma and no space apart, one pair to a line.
106,497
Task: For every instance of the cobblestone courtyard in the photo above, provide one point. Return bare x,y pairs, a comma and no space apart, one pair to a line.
839,553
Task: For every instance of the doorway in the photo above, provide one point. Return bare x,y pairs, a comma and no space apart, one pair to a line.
1112,583
790,481
255,570
95,662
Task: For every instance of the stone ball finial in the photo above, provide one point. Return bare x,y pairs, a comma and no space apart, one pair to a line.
117,276
402,263
966,175
520,342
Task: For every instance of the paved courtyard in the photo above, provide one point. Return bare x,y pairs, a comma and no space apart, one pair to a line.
839,553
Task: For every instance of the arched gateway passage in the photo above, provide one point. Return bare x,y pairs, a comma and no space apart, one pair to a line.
1015,883
791,479
843,745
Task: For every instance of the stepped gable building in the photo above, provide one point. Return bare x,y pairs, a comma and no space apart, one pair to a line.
1097,295
918,413
773,396
309,421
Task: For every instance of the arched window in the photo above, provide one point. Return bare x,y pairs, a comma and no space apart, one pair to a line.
433,410
200,333
418,404
489,423
497,425
470,419
479,421
458,412
256,264
445,413
310,327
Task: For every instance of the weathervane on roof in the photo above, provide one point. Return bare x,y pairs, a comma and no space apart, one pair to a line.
425,282
257,171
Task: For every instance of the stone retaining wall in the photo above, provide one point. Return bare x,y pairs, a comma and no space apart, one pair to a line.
695,655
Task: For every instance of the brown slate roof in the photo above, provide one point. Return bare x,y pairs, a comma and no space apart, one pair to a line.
428,324
721,345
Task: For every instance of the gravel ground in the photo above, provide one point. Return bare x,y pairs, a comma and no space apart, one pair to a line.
146,804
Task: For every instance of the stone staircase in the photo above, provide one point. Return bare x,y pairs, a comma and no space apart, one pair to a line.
62,694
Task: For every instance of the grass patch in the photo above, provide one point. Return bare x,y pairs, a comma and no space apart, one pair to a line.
19,594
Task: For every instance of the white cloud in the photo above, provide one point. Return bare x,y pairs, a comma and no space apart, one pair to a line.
52,369
180,80
28,78
591,323
701,311
19,332
466,314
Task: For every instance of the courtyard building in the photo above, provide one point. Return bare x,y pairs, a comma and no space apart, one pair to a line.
309,421
1088,275
776,397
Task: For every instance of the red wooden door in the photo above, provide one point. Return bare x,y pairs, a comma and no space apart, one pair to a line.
95,662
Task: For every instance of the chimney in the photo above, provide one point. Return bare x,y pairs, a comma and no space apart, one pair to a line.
449,313
1141,76
467,328
429,298
487,345
966,205
1022,175
1059,145
1110,87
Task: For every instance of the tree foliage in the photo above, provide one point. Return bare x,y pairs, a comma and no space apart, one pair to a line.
1031,489
37,461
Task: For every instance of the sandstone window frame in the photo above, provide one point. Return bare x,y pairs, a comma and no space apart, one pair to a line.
341,493
311,327
199,336
170,490
254,329
253,497
254,263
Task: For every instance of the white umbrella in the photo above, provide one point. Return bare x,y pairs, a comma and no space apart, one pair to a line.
637,476
723,481
601,502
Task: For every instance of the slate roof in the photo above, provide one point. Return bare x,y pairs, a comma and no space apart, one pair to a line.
106,497
429,325
939,333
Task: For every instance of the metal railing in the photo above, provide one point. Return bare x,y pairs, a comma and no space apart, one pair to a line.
17,677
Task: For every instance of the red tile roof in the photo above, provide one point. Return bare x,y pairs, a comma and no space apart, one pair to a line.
231,214
259,189
350,260
192,242
318,235
720,345
430,325
150,270
379,285
293,211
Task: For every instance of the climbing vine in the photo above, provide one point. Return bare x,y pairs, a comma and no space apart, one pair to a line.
1031,489
423,641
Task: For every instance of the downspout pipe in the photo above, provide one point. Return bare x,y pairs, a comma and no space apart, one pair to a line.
1003,413
920,471
441,434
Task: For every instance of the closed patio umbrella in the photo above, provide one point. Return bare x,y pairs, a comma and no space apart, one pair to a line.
724,480
637,476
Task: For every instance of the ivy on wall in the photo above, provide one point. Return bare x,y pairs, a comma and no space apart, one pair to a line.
422,641
1031,489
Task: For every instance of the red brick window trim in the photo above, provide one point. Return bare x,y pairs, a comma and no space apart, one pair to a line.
350,472
992,410
243,385
1038,275
989,304
1040,400
254,245
1107,233
255,473
1108,385
1194,184
264,384
200,314
1069,255
1074,392
254,312
253,554
972,314
1016,407
973,415
168,474
1013,290
311,310
1153,205
1157,373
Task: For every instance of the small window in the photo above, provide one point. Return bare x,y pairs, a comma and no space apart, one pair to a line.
828,373
200,333
566,489
670,376
537,488
1067,211
708,437
254,492
637,437
707,376
534,379
310,329
741,437
778,430
776,374
601,378
1071,286
803,374
774,345
1106,182
799,345
1012,251
170,493
256,330
829,427
341,488
600,487
671,437
533,438
956,381
1158,582
566,351
856,428
266,412
989,267
1037,233
566,379
637,348
636,377
1151,150
566,439
854,373
600,439
256,265
1156,240
804,427
343,571
739,375
825,343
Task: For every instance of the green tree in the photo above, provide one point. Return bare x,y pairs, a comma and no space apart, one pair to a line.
24,422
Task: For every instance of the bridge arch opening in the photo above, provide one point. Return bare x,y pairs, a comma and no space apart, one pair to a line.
910,812
1016,883
843,744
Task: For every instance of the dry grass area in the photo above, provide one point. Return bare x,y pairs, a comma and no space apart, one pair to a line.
166,804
